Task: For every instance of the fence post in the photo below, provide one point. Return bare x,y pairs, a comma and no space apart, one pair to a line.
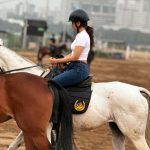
127,53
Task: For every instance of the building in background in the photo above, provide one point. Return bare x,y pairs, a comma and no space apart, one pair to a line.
33,33
133,14
101,12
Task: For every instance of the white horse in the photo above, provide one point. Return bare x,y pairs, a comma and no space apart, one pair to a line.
121,105
9,60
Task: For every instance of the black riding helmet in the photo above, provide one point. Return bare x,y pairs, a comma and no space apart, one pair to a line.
79,15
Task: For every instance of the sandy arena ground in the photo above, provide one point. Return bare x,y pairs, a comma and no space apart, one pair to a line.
104,70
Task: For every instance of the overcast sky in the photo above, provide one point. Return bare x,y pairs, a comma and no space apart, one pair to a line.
39,3
53,3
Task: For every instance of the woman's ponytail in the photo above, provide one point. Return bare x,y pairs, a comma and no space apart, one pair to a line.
91,54
90,32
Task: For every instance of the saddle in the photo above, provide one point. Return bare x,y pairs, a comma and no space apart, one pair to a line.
80,95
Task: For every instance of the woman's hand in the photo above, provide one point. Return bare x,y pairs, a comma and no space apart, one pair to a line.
53,60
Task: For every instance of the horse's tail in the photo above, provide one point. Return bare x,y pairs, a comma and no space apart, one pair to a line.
145,91
66,123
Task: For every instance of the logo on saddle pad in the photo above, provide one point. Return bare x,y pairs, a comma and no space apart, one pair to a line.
79,105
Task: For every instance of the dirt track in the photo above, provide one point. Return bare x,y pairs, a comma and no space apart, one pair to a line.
103,70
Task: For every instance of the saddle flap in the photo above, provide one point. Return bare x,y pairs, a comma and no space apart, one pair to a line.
83,84
80,100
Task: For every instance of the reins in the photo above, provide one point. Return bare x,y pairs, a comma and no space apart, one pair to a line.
39,65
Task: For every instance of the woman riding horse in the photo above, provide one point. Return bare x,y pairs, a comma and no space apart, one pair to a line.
78,68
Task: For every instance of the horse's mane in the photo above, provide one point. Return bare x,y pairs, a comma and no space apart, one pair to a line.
12,60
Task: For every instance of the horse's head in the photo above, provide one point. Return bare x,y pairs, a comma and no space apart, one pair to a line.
10,60
62,46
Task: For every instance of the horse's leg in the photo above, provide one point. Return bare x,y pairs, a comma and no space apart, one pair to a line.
140,142
39,57
36,134
17,142
134,128
29,144
36,141
20,139
49,129
118,139
4,117
41,142
42,56
34,128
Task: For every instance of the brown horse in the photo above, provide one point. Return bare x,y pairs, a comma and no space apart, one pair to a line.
43,51
27,99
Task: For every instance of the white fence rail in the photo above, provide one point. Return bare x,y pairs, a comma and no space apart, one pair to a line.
132,54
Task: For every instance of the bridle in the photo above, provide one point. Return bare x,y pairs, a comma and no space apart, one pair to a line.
2,70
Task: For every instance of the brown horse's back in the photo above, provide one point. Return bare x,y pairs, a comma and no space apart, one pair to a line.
44,49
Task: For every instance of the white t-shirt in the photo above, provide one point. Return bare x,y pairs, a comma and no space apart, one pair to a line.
82,39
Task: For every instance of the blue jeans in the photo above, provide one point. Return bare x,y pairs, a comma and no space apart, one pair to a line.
75,72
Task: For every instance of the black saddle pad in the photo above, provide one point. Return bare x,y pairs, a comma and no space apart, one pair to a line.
80,95
80,100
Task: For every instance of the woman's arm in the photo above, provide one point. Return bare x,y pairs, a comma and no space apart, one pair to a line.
71,57
67,55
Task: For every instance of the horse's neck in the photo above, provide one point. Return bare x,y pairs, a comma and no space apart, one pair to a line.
11,60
